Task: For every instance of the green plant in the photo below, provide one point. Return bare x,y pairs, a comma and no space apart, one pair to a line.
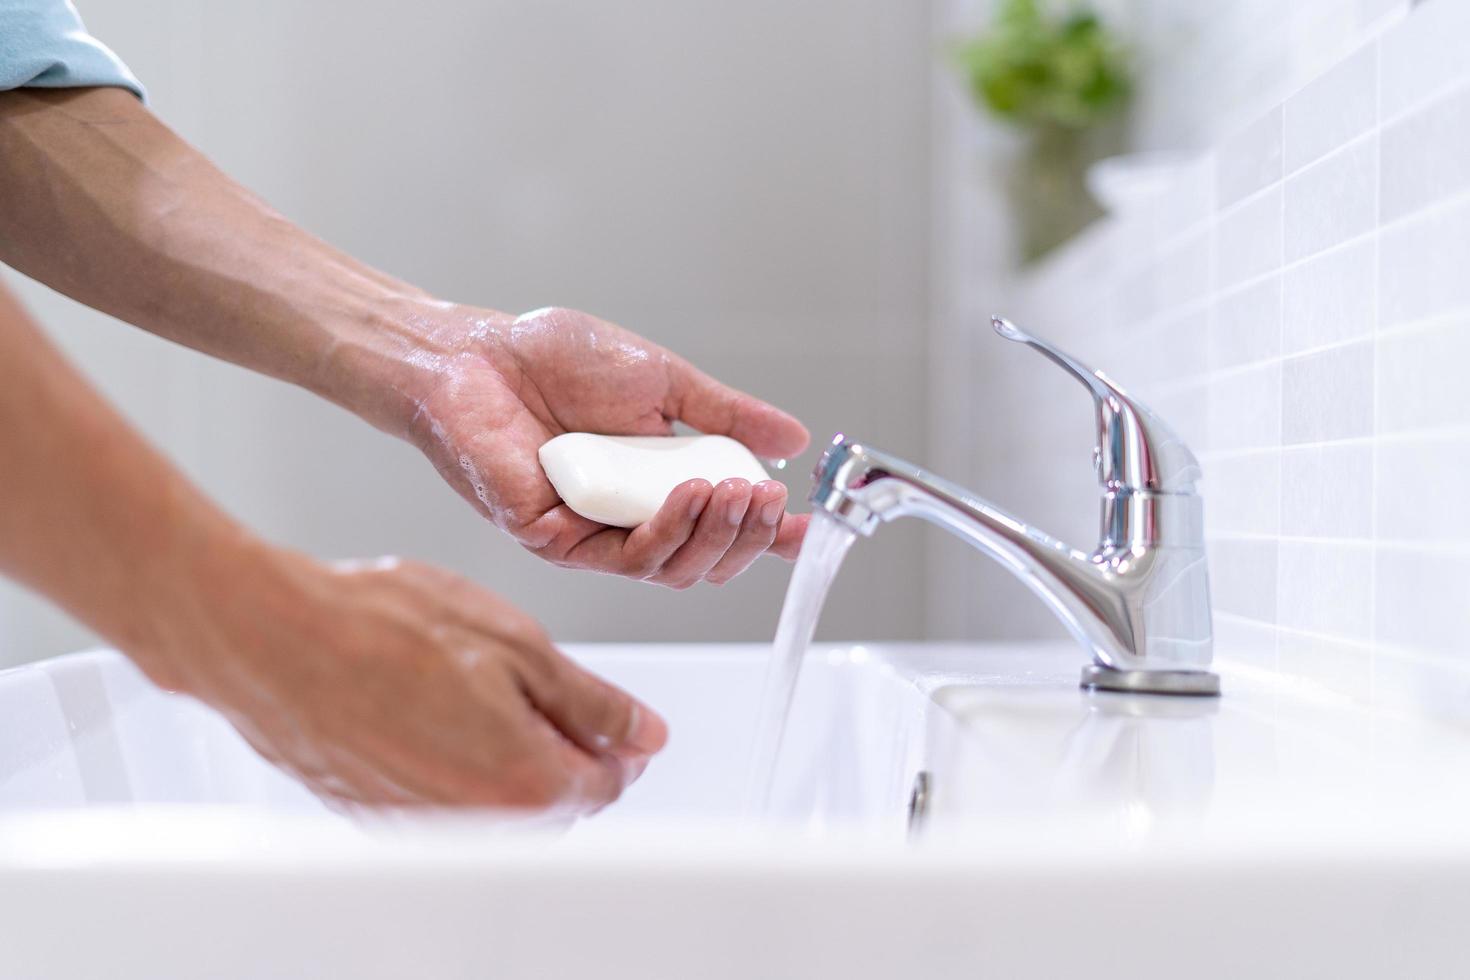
1040,69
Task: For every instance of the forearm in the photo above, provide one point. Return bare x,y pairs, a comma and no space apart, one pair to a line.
102,202
91,516
383,683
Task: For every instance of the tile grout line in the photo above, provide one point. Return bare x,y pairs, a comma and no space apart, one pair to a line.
1445,92
1373,445
1348,144
1299,632
1455,546
1448,433
1391,651
1281,394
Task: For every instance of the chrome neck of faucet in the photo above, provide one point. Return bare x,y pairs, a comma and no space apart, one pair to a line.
1139,601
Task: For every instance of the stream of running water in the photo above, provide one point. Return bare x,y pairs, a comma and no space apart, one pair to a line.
826,543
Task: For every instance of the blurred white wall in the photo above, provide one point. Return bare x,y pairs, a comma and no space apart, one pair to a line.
747,183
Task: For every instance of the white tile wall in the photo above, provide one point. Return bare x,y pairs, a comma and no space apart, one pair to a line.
1328,395
1330,110
1326,492
1248,238
1250,159
1419,384
1423,55
1421,491
1325,388
1332,200
1211,66
1247,324
1424,154
1329,298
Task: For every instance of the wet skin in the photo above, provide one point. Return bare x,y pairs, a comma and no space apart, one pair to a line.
504,386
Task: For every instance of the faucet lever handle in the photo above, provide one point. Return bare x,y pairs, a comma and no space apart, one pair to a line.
1136,450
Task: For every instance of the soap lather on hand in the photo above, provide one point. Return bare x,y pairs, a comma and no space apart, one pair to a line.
622,481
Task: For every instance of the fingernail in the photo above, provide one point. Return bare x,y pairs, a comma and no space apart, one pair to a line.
771,512
735,513
647,733
696,506
632,768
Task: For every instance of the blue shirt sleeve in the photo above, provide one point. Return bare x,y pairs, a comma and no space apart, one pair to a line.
44,45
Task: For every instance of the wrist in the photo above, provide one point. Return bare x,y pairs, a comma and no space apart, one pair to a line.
382,359
387,360
193,596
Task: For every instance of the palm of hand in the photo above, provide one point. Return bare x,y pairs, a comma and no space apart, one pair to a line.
513,384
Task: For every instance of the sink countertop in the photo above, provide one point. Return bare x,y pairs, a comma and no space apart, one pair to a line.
1277,832
1005,734
1273,762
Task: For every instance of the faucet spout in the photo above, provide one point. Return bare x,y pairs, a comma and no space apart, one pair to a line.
1139,603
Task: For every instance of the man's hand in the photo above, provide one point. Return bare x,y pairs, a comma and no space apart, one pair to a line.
398,683
385,683
500,387
92,195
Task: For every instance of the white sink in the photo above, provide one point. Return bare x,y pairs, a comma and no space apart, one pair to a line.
88,730
1276,832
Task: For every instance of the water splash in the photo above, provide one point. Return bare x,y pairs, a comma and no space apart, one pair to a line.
822,551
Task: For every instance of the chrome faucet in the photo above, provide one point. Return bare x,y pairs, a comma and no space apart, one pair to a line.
1140,602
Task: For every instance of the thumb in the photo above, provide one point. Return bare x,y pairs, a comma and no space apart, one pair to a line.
711,407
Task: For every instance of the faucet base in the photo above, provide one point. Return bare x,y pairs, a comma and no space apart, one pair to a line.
1190,683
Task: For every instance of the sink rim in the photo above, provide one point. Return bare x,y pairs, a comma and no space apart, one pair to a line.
1403,829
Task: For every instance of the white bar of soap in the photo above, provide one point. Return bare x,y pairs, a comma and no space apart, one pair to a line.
624,480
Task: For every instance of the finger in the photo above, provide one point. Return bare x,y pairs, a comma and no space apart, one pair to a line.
651,544
549,774
592,782
712,537
610,720
560,775
762,518
634,769
710,406
593,714
790,535
640,552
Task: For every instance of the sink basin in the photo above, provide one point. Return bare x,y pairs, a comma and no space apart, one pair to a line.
1279,831
89,730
